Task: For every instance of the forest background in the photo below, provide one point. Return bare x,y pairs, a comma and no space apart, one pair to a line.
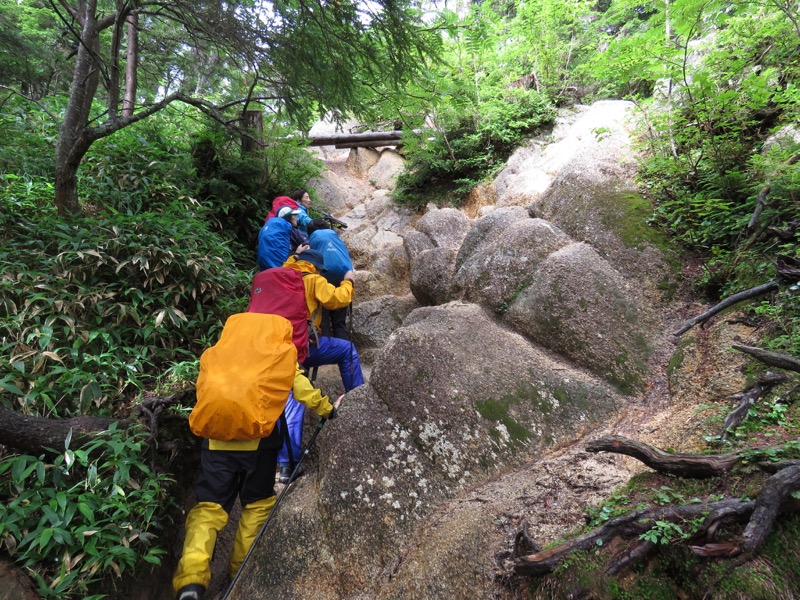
131,190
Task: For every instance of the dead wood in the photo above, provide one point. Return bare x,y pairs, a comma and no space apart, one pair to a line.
686,465
760,515
633,525
782,268
375,144
729,301
348,138
636,554
38,435
776,490
774,467
774,359
774,496
748,399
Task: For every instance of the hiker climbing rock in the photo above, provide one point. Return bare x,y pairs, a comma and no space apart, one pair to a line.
303,204
322,350
242,389
275,240
325,240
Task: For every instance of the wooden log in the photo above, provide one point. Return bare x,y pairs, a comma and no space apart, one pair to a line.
345,138
774,496
636,554
37,435
375,144
774,467
776,490
774,359
729,301
748,399
686,465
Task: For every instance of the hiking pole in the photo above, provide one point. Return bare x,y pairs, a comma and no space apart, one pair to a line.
352,342
305,452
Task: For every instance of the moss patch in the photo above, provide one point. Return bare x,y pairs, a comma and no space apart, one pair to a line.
498,412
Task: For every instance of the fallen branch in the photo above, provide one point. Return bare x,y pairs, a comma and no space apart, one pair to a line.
37,435
774,359
774,467
729,301
686,465
636,554
748,399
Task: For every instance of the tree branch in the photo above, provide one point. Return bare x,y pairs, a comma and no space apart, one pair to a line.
633,525
729,301
749,398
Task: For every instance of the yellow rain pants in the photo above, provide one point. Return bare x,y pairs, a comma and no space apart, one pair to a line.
253,517
202,524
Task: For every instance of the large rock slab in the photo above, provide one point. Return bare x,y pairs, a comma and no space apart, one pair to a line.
375,320
446,227
578,306
431,278
338,192
454,400
383,174
500,255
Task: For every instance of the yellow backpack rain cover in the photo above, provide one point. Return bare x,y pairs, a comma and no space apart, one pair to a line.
245,378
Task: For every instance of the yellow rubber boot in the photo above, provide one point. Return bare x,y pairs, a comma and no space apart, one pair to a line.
202,524
253,517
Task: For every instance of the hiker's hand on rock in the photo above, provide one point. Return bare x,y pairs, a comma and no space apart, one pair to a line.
338,401
350,276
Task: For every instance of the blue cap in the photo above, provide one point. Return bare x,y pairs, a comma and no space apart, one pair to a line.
315,258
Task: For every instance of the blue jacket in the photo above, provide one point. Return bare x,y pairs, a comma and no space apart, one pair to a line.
303,219
337,258
273,243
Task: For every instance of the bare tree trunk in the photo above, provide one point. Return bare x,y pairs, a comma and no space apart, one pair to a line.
253,121
113,70
72,144
132,58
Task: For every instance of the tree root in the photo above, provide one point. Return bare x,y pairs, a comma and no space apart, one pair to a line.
759,514
686,465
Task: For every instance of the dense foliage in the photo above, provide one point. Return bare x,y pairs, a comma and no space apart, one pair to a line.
84,515
463,152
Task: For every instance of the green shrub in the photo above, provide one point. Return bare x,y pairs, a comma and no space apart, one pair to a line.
93,308
237,190
88,514
446,168
142,168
